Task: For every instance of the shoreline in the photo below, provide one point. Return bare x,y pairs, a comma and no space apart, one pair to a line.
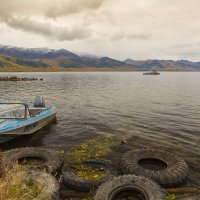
90,70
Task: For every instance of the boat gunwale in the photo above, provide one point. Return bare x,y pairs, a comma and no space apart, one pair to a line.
27,110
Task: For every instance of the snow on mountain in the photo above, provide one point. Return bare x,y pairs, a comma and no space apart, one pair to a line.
34,53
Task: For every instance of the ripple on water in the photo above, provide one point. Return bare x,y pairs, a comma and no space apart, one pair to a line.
164,107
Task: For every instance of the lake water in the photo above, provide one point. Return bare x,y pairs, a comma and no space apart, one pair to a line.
162,108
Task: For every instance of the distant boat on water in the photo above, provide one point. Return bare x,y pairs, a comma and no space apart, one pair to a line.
154,72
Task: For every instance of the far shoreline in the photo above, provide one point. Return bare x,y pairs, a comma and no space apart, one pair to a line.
86,70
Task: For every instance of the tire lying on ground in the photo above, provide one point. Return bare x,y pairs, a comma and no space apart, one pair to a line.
163,167
130,187
50,190
50,160
72,180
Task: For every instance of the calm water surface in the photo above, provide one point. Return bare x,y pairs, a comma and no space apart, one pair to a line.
162,108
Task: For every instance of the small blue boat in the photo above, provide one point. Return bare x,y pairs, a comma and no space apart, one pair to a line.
17,119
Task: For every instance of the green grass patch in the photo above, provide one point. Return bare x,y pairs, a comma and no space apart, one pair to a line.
91,150
89,173
171,196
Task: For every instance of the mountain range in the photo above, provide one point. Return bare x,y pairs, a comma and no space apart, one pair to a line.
43,59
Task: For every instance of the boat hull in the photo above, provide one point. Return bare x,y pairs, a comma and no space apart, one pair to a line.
26,129
151,73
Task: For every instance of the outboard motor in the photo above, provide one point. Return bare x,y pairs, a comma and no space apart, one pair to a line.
39,102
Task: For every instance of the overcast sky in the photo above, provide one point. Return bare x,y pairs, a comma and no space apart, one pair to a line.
137,29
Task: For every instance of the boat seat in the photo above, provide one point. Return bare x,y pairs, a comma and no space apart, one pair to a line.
35,111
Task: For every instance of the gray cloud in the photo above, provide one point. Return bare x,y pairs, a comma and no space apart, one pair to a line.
26,24
128,36
23,7
63,7
48,8
73,34
45,28
185,45
19,15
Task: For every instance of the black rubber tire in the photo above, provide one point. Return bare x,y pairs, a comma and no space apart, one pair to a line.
176,171
51,185
71,180
53,161
148,189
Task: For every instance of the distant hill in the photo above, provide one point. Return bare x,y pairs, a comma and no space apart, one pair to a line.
7,64
43,59
164,64
10,64
34,53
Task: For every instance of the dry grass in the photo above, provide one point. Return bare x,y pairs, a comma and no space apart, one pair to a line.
18,186
29,162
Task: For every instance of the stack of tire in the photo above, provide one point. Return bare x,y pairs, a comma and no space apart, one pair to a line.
111,184
136,176
139,178
52,162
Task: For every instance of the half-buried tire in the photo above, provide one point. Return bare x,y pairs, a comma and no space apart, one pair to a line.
50,189
50,160
73,181
163,167
130,187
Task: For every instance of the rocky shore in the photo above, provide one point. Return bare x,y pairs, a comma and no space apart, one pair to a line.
15,78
